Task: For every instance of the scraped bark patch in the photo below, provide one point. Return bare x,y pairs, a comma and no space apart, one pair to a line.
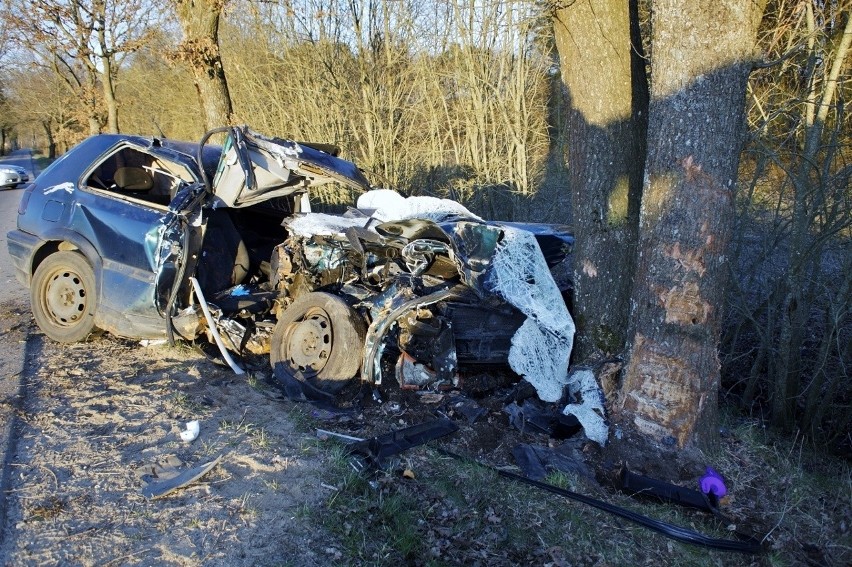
684,305
689,260
589,269
663,393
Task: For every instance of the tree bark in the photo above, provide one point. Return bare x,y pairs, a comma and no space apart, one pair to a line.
51,143
107,71
607,97
200,49
702,56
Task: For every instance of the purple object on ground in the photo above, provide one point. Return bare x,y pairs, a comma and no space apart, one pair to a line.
713,483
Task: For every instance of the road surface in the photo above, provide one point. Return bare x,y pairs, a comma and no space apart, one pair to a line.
14,311
10,289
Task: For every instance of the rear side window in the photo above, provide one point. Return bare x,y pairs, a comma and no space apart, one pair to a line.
138,175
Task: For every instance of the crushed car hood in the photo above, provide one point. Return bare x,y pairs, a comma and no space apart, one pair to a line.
493,259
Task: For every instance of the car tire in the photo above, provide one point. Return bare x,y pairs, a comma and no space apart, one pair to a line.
63,297
319,339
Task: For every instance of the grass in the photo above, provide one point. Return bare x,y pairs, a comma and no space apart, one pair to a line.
374,525
460,513
183,402
257,435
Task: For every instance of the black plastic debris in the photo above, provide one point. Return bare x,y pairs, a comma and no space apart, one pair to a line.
377,449
466,407
529,462
536,461
536,417
297,389
639,485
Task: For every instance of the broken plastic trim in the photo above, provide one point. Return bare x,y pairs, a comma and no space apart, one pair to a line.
158,489
678,533
636,484
376,449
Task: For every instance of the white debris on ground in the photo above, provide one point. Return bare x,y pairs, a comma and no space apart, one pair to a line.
591,411
542,345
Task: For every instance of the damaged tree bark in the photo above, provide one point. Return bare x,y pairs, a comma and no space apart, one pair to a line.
199,20
702,56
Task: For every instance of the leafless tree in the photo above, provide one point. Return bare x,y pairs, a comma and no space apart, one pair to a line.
84,42
199,48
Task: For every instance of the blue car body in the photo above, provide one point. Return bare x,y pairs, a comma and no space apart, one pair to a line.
113,232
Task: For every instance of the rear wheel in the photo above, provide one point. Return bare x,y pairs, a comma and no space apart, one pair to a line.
63,297
319,339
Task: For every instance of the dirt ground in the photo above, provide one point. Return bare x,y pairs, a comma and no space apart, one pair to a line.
97,416
94,422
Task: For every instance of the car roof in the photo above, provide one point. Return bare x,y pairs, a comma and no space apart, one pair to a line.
71,164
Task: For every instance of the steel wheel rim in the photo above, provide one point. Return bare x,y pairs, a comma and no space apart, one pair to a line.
308,342
65,298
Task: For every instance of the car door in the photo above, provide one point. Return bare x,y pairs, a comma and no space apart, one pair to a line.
122,217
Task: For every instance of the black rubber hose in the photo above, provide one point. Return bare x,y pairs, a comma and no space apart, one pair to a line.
675,532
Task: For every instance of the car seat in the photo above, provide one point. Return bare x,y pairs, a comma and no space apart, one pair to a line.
133,179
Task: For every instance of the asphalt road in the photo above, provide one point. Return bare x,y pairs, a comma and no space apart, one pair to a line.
14,299
10,289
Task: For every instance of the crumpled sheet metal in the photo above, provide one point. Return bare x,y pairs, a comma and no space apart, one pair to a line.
504,261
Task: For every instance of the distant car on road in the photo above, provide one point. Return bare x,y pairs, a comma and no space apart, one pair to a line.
12,176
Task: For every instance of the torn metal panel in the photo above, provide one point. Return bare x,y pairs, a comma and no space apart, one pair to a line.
373,345
411,374
254,168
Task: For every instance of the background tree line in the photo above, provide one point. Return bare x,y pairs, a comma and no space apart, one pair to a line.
465,99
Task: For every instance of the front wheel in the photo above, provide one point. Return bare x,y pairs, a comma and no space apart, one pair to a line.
63,297
319,339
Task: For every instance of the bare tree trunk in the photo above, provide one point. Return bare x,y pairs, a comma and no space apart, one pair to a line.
607,89
200,48
701,62
106,59
51,142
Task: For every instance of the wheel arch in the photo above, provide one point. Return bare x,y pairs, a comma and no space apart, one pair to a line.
61,240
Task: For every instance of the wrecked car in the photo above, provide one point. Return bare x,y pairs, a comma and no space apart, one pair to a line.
150,238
